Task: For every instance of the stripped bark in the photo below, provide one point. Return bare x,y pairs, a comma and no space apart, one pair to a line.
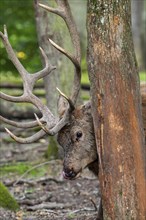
115,92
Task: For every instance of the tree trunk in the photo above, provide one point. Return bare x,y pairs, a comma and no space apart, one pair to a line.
143,35
52,26
45,23
136,11
115,97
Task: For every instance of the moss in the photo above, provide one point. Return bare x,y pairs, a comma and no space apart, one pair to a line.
52,151
8,139
71,216
21,168
142,76
6,199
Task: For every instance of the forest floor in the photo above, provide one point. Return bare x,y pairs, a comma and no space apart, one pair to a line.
42,192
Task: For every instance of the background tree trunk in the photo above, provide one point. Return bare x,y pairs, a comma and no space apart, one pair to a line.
46,23
52,26
137,9
143,36
115,97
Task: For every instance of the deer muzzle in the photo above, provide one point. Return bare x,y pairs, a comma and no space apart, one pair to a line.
70,174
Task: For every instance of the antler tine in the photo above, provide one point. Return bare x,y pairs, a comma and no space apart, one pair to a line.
72,107
5,31
31,124
57,11
47,69
40,124
53,125
64,11
11,53
54,130
12,98
69,20
28,79
72,58
27,140
28,96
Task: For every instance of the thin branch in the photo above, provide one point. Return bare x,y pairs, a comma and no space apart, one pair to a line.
28,171
36,201
83,209
49,205
95,206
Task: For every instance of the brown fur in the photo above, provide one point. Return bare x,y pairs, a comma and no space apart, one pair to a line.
79,152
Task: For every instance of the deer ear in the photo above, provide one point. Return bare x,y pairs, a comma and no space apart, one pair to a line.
62,105
87,108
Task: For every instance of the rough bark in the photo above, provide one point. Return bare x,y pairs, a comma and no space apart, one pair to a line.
115,97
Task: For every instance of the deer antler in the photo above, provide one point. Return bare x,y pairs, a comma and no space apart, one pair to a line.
48,123
64,12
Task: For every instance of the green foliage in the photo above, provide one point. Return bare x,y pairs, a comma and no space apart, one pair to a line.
142,76
5,76
85,78
71,215
19,18
21,168
6,199
18,168
52,151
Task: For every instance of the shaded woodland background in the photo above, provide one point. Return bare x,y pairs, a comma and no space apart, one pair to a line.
15,159
19,16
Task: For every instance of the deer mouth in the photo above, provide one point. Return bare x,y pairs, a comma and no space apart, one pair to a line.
71,175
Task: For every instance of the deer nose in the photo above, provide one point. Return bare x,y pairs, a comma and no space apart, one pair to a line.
69,174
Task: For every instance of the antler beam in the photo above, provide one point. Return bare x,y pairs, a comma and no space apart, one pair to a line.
28,96
64,11
48,123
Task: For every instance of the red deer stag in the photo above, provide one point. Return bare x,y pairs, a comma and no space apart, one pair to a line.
74,125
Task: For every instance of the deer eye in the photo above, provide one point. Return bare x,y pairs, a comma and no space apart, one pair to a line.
79,134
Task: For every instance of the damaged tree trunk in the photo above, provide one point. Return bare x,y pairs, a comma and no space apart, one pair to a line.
115,96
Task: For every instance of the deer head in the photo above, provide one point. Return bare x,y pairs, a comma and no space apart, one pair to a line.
74,125
78,142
